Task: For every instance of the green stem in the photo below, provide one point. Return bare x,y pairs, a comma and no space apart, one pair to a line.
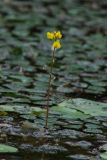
49,88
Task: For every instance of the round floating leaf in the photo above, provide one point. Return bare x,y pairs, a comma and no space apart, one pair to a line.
7,108
103,155
92,108
69,112
14,108
7,149
21,110
81,108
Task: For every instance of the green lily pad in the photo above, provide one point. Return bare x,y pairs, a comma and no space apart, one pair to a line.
21,109
92,108
69,112
7,149
81,108
103,155
8,108
13,108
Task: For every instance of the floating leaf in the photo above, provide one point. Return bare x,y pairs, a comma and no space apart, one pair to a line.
103,155
81,108
69,112
14,108
7,149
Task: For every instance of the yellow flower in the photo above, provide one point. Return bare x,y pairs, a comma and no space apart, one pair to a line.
54,35
58,35
50,35
56,45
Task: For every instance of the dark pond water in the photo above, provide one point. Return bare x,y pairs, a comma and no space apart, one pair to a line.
80,71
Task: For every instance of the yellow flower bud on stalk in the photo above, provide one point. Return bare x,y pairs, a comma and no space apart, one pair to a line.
50,35
56,45
58,35
54,35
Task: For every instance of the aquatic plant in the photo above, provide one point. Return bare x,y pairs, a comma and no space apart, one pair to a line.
55,36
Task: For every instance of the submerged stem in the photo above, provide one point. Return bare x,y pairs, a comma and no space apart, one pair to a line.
49,88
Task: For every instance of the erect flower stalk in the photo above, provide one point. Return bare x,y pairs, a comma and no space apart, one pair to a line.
56,45
49,87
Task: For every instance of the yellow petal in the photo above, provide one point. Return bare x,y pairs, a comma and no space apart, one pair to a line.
56,45
50,35
54,35
58,35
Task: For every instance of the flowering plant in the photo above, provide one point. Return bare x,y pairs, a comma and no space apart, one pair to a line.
55,36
